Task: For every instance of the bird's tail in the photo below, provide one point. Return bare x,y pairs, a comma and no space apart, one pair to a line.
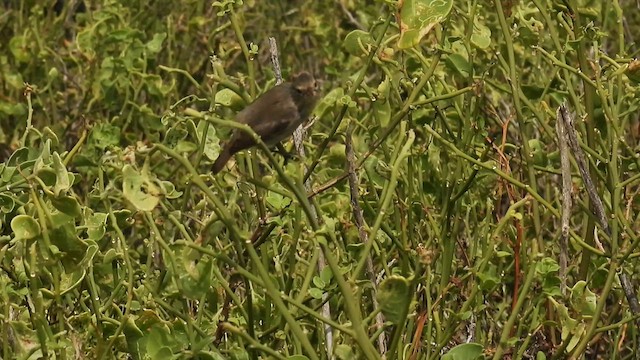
221,161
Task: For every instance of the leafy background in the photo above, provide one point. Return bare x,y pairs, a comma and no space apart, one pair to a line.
443,240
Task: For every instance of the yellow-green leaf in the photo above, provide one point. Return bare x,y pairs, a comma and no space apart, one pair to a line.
418,17
139,189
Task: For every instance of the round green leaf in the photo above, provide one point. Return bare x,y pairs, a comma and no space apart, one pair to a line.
394,297
25,227
6,203
67,205
315,293
358,42
19,48
469,351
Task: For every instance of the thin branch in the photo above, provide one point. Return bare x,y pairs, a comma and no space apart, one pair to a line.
567,118
565,166
273,50
583,167
363,234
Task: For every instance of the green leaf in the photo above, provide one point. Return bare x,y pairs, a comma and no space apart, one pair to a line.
15,81
19,48
105,135
195,277
228,98
481,36
91,252
394,297
344,352
110,256
382,110
46,174
277,201
132,334
583,300
7,203
570,326
418,17
15,109
25,227
315,293
138,188
538,152
71,281
123,218
211,140
96,224
326,275
159,342
488,279
547,266
64,179
346,100
155,45
469,351
358,43
328,102
18,158
548,270
50,136
187,147
162,353
169,190
176,134
317,281
370,166
459,63
64,236
67,205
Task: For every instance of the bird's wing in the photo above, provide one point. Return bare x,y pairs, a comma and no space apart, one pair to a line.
276,120
254,114
272,116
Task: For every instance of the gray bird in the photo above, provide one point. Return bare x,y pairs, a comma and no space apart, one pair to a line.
273,116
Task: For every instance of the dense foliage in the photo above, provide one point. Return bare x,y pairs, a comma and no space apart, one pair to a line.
421,218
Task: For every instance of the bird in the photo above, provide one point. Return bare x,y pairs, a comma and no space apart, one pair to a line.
273,116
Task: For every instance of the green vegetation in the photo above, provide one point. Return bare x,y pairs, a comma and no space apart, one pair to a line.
422,220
